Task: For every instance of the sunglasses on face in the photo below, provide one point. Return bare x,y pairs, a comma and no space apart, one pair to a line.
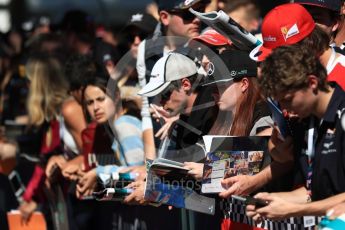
184,14
165,95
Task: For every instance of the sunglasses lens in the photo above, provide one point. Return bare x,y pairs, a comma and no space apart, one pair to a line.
165,95
185,15
188,16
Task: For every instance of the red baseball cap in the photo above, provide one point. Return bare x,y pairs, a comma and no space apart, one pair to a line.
214,38
286,24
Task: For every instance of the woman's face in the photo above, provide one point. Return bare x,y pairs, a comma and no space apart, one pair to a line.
99,105
229,96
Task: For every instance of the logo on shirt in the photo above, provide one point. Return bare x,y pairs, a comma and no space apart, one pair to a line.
289,32
329,145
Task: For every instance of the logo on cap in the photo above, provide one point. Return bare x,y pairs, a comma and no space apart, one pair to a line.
187,2
233,73
270,39
210,69
137,17
288,33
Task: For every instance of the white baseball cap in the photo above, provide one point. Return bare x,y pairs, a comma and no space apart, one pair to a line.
169,68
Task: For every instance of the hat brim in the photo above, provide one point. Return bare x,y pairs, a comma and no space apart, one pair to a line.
220,81
260,53
151,90
210,41
320,5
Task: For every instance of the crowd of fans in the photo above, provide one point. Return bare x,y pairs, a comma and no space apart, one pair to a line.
81,101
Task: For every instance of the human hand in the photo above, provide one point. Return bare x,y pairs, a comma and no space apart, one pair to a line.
195,169
237,185
158,112
281,150
165,130
70,171
277,209
163,116
8,150
87,183
137,196
336,211
58,160
26,209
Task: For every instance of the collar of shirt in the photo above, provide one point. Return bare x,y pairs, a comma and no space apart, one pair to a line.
337,98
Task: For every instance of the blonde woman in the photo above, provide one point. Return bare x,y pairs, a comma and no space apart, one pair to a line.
47,92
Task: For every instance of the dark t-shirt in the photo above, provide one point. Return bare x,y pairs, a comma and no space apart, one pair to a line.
190,129
328,163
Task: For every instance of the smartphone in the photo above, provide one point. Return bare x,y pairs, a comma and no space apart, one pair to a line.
251,200
17,185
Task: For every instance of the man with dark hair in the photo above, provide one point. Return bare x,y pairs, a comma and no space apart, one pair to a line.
178,25
176,79
297,80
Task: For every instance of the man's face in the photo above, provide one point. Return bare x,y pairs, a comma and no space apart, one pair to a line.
178,26
300,102
182,23
174,101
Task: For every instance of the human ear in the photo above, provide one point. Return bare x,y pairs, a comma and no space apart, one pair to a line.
164,17
335,26
244,84
186,84
313,82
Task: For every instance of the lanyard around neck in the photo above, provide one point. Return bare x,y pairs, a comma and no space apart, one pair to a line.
310,153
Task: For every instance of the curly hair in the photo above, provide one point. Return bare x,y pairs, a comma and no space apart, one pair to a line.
287,69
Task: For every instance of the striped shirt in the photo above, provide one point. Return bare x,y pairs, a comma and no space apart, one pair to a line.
128,144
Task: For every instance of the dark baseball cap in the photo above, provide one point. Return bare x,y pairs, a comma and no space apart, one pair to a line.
239,65
178,5
142,21
333,5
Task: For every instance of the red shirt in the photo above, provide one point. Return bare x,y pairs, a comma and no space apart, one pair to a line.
50,142
336,71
